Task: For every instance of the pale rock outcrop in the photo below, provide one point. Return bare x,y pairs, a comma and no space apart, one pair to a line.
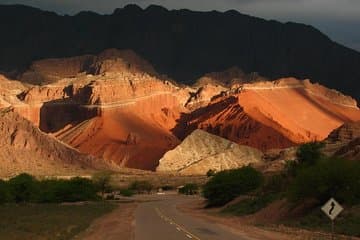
202,151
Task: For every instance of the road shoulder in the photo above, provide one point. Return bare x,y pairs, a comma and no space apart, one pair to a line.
119,222
233,224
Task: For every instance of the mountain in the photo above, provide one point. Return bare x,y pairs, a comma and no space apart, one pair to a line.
182,44
117,107
24,148
201,152
278,114
344,141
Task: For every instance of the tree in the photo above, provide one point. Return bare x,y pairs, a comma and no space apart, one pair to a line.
330,177
4,192
189,189
23,188
141,187
226,185
102,182
309,153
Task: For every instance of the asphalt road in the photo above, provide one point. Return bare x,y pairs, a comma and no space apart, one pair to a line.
160,220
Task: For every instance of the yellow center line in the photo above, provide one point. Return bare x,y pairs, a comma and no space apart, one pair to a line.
172,222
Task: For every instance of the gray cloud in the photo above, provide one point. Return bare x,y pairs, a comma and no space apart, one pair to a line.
338,18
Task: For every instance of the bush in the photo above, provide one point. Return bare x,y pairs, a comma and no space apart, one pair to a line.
227,185
4,192
23,188
309,153
102,182
189,189
276,184
126,192
141,187
250,205
330,177
73,190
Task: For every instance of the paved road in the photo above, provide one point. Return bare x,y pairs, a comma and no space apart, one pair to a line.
160,220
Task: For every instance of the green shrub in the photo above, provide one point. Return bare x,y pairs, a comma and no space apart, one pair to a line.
102,182
291,167
23,188
309,153
189,189
250,205
227,185
330,177
141,187
126,192
4,192
73,190
276,184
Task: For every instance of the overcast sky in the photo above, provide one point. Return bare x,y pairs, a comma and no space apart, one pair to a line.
340,19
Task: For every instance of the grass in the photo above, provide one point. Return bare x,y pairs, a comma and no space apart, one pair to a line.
48,221
250,205
347,223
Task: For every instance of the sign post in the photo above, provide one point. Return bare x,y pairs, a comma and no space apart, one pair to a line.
332,209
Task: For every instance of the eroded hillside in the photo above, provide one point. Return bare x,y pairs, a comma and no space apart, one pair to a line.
115,106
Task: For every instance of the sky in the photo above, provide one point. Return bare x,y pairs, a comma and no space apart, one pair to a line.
339,19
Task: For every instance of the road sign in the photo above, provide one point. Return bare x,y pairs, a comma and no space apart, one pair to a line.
332,209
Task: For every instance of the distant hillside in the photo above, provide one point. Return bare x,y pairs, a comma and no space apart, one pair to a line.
180,43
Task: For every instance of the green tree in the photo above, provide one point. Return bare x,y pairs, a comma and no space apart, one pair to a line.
102,182
309,153
23,188
227,185
330,177
189,189
4,192
141,187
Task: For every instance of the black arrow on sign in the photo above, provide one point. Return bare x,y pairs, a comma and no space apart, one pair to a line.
332,208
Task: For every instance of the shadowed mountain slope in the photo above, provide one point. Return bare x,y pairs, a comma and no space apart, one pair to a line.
182,44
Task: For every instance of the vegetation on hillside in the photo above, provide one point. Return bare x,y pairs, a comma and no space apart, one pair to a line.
313,176
227,185
24,188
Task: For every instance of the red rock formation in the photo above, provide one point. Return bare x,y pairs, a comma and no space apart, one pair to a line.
275,114
126,114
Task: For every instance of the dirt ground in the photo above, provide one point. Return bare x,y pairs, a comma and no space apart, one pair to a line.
119,222
264,232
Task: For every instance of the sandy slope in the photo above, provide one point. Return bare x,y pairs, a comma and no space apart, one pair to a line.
24,148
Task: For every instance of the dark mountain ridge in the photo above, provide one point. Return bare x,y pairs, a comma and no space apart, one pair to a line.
180,43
